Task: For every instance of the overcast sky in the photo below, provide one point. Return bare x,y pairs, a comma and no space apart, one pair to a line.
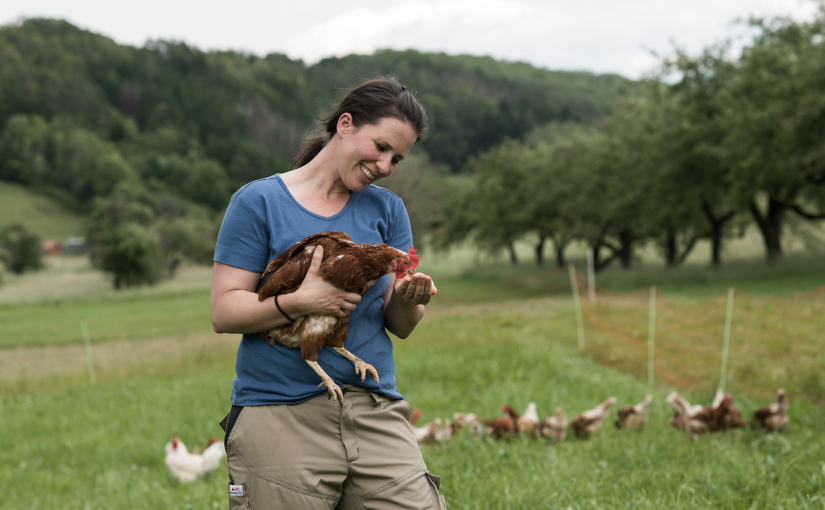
602,36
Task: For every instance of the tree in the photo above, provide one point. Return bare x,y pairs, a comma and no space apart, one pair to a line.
702,94
20,249
420,183
123,242
776,123
492,210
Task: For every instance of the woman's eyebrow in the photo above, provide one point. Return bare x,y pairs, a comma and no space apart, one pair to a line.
389,145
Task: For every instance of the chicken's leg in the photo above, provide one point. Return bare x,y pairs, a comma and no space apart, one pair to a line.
334,390
361,367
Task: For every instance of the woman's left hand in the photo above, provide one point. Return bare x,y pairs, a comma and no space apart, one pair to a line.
417,289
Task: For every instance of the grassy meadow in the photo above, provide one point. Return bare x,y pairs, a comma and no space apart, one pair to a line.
495,334
43,216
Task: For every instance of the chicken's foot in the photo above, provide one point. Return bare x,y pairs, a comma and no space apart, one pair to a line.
334,390
361,367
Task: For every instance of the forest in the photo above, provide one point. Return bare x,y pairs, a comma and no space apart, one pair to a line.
151,142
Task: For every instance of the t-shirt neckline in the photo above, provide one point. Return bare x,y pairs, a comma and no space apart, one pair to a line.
328,218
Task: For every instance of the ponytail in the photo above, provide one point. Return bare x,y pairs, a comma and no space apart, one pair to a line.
308,150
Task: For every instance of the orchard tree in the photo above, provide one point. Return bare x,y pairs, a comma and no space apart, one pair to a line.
776,120
702,94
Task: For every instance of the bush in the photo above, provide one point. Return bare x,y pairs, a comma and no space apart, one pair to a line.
124,244
189,239
20,249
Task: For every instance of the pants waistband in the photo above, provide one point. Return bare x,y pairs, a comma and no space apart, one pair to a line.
354,390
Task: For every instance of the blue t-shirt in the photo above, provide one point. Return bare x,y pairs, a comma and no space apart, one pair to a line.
263,220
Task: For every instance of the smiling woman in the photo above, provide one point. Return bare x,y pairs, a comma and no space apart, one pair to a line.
287,446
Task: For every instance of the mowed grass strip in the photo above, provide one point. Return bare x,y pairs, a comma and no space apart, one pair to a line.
110,437
111,319
44,368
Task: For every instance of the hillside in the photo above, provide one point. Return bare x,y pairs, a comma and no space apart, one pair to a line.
80,113
41,215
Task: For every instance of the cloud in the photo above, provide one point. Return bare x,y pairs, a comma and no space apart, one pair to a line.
403,25
595,35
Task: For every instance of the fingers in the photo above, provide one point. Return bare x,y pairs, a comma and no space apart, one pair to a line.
417,289
317,258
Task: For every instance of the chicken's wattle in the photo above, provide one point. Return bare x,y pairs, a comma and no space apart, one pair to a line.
404,268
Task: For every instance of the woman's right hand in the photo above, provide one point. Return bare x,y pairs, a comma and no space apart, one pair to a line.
320,297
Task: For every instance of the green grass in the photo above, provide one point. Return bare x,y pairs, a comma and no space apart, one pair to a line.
102,446
176,309
40,214
495,334
122,318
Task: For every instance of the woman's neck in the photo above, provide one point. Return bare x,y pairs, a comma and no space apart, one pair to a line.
317,186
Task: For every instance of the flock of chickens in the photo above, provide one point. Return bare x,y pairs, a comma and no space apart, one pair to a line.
693,419
720,415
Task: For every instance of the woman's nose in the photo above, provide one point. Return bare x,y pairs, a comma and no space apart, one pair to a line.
385,166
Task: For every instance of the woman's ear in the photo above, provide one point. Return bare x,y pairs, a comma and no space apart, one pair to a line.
345,124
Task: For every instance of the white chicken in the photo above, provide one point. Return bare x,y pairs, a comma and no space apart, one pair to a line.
188,467
470,422
554,426
528,423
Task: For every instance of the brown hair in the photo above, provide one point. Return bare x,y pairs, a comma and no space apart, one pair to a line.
368,103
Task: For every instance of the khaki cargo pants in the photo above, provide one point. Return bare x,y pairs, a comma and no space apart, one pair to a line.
320,455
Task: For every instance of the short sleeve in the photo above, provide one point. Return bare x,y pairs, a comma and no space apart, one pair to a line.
243,240
401,234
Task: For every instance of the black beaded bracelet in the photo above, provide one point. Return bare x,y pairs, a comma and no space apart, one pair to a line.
290,319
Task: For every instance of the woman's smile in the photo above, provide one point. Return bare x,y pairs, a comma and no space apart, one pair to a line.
369,175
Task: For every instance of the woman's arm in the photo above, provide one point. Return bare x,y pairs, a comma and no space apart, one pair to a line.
404,303
236,309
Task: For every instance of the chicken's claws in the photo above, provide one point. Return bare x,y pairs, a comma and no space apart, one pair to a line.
333,391
362,368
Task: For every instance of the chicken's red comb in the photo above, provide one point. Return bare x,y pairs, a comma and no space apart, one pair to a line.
413,256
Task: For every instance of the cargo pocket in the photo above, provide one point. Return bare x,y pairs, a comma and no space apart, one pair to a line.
239,497
438,500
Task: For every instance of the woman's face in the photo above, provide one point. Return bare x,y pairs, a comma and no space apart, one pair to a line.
372,151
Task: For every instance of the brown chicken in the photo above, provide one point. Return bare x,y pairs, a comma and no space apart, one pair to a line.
773,417
503,426
346,265
634,417
554,427
720,415
589,422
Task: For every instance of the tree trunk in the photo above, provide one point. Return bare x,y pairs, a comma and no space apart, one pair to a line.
770,225
560,246
626,249
716,231
671,249
512,250
673,255
540,250
715,244
598,262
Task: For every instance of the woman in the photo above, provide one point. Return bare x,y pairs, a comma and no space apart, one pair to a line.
288,446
